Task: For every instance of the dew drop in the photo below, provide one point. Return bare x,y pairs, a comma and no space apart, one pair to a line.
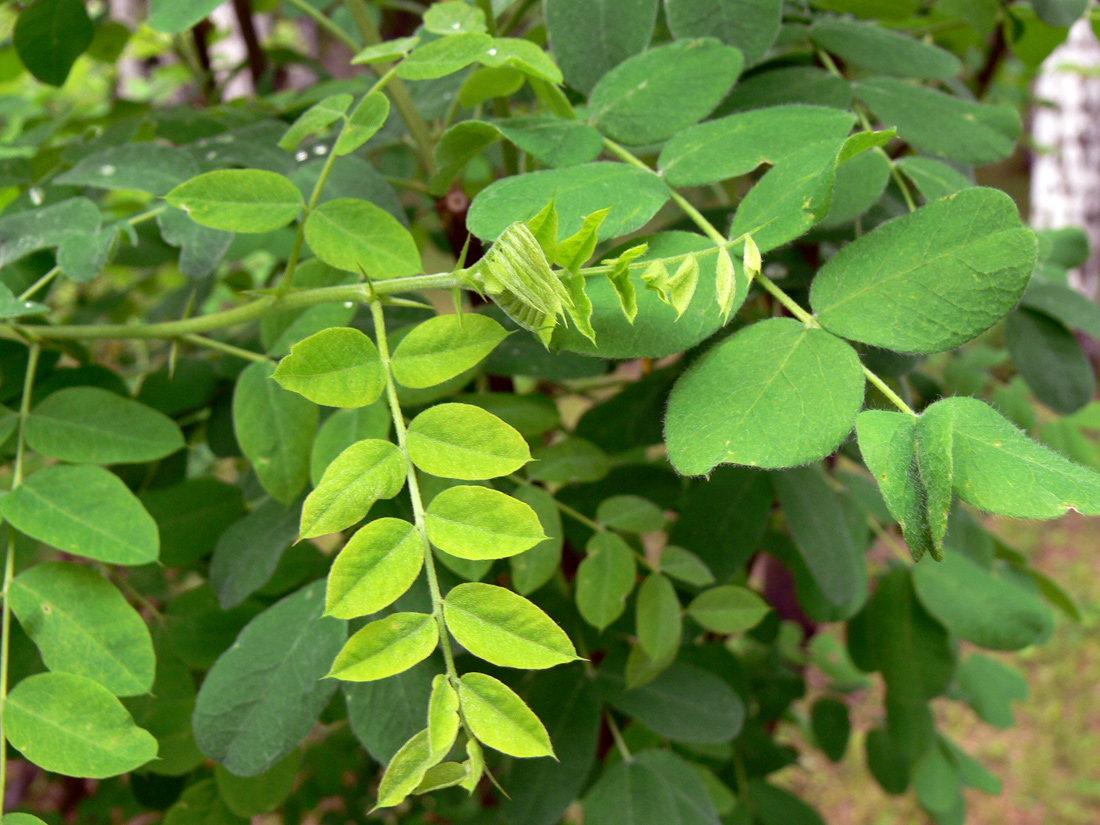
36,196
320,150
348,304
492,52
107,170
211,154
302,155
456,25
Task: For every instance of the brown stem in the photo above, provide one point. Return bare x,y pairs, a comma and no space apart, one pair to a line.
257,62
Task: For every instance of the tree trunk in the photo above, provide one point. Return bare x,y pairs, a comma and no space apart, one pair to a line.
1065,173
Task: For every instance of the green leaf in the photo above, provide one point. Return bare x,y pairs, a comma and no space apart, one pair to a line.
337,367
319,116
478,523
504,628
776,394
386,51
977,606
24,233
605,577
941,125
791,197
658,620
377,565
749,25
173,16
831,726
892,288
166,713
453,17
569,461
820,531
274,429
50,35
1000,470
70,725
635,195
934,179
248,551
249,796
565,699
21,819
201,248
89,425
630,793
386,647
685,566
444,775
344,428
631,514
83,625
524,56
651,96
239,200
1059,13
533,568
589,37
357,236
264,694
859,184
500,719
877,49
735,145
361,475
775,806
684,703
465,442
405,698
1069,306
990,688
1050,360
444,56
553,141
443,347
365,120
86,511
144,167
727,609
406,770
443,721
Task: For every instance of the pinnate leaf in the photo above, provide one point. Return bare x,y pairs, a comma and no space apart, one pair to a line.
604,579
444,347
239,200
386,647
728,609
478,523
361,475
337,367
356,236
465,442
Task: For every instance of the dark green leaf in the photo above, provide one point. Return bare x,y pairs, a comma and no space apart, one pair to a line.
50,35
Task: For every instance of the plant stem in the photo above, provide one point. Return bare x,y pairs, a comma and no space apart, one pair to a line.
617,735
414,491
576,515
767,283
252,311
41,282
326,24
9,564
228,349
399,92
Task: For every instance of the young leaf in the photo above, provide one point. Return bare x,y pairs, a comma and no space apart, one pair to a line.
266,691
86,511
365,120
775,394
275,430
344,428
500,719
377,565
239,200
604,579
354,481
659,623
82,624
675,290
385,52
504,628
475,765
89,425
443,721
356,236
444,56
478,523
444,775
619,278
71,725
725,283
523,55
386,647
337,367
406,770
571,253
728,609
465,442
452,17
891,288
444,347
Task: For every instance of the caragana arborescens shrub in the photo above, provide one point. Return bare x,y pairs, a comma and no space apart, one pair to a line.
548,479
